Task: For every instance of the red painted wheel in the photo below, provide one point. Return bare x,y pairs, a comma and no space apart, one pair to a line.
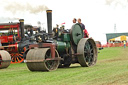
18,57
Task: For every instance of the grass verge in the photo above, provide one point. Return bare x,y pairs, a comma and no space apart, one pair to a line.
111,69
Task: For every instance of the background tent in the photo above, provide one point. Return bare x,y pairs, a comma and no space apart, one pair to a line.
120,38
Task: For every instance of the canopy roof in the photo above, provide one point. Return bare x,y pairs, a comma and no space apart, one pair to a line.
120,38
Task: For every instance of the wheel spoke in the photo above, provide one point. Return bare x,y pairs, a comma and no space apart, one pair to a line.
90,45
18,59
88,52
87,45
14,59
49,63
20,55
86,58
89,60
91,50
85,51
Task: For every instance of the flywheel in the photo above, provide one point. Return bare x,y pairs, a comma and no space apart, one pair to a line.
76,33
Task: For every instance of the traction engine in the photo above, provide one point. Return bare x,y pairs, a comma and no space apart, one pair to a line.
61,48
13,43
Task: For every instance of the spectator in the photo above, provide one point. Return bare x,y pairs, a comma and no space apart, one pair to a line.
124,44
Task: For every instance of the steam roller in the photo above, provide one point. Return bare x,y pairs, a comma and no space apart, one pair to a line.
5,59
41,58
60,47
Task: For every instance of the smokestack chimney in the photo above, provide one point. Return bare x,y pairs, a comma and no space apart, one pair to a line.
49,22
22,28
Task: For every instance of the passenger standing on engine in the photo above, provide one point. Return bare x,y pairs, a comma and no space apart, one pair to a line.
86,35
74,20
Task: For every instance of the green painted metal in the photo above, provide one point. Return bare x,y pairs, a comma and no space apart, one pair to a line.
76,33
61,46
68,45
66,37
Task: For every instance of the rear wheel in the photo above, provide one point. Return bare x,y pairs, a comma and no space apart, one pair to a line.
88,52
18,57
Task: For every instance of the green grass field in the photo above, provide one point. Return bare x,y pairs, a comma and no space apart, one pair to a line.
111,69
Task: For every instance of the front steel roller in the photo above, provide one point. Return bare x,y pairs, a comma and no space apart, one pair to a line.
87,51
39,60
5,59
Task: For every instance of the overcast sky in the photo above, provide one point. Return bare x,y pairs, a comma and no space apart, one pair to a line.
99,16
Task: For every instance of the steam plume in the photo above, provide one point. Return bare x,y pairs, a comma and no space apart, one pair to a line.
123,3
5,19
17,7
